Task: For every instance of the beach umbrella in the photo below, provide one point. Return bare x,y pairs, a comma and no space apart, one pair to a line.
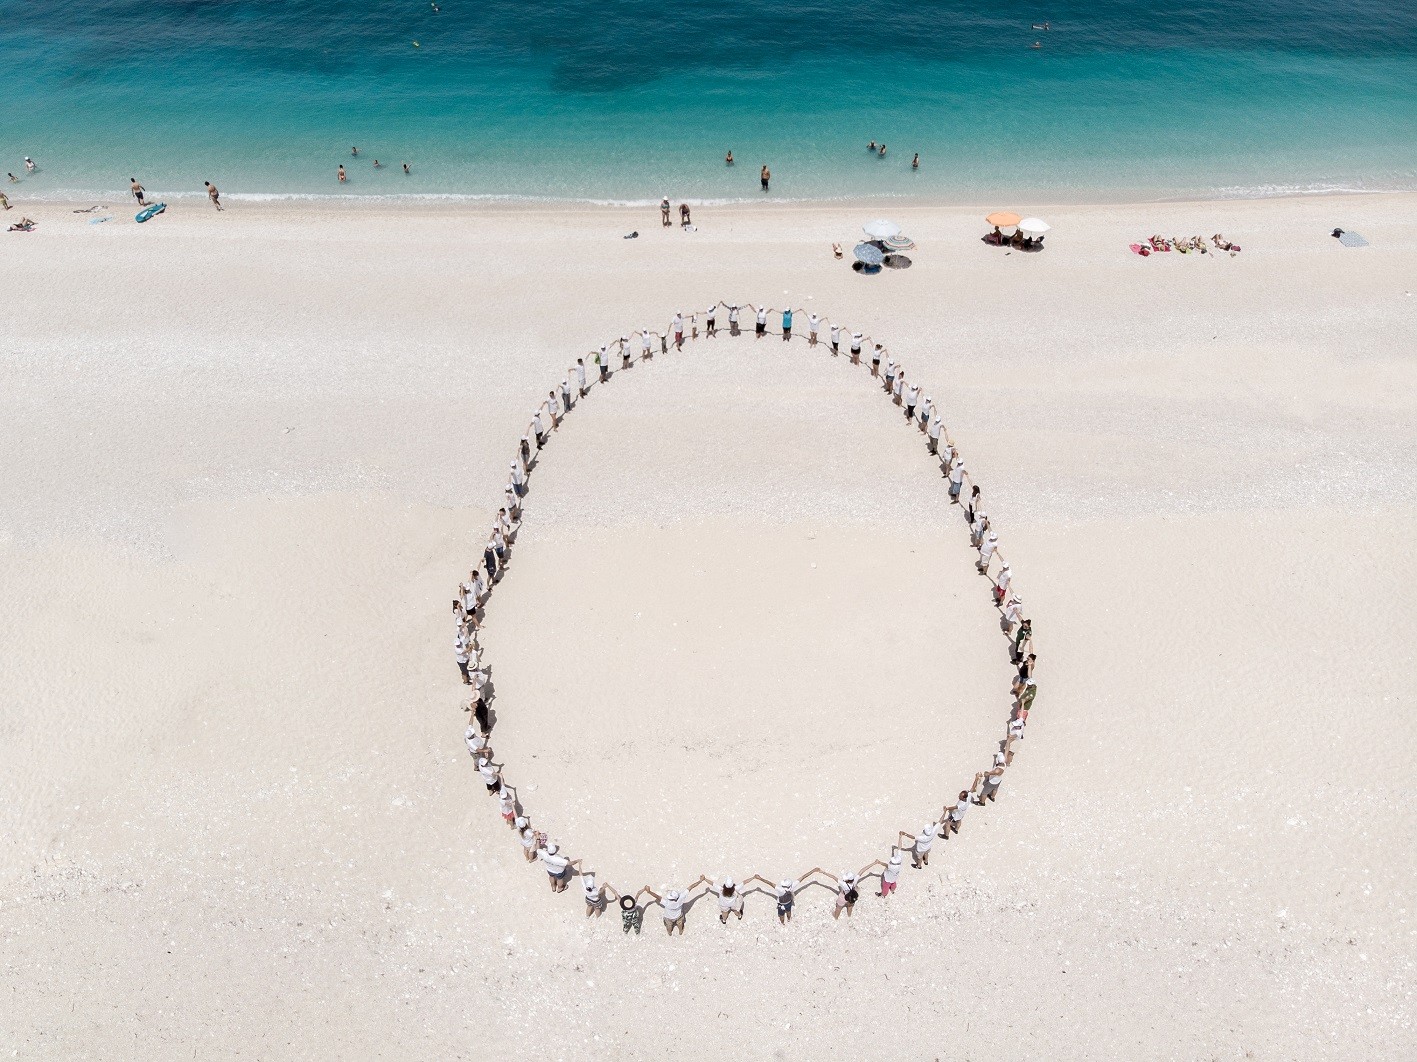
869,253
881,229
1004,219
1033,227
898,243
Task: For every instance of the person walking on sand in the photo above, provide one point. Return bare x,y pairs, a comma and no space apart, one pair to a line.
711,321
213,194
786,325
730,899
664,212
4,201
987,548
765,176
890,874
341,174
580,376
672,908
138,191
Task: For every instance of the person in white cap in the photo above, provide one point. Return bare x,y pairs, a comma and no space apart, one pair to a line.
760,328
491,777
566,395
29,164
987,549
911,400
956,480
677,328
1002,584
786,898
530,841
538,427
978,529
462,653
625,351
518,478
711,321
580,375
927,407
672,907
733,319
836,338
594,896
1013,612
603,360
645,340
476,741
934,430
505,523
856,338
664,211
890,374
846,892
987,782
514,504
507,805
920,844
524,450
890,872
813,323
898,388
730,899
558,867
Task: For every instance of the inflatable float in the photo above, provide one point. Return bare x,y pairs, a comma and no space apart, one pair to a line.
149,212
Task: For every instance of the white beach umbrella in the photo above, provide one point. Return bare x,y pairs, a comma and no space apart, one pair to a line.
1033,226
880,229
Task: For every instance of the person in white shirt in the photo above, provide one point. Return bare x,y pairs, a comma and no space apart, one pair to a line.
677,327
594,896
733,320
566,395
507,804
933,432
518,478
912,397
890,873
538,428
786,899
927,408
553,407
978,528
920,844
730,899
956,481
956,818
1002,582
476,741
646,341
836,338
491,777
603,359
530,842
463,656
986,552
672,906
711,321
813,323
558,867
856,338
580,375
625,350
898,388
761,328
987,782
890,375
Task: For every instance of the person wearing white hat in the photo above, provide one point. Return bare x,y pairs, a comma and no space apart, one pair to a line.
1002,584
594,894
603,360
491,777
730,899
645,341
836,338
956,479
987,782
530,841
677,327
890,872
856,338
1013,612
760,327
625,351
672,907
920,844
933,431
664,211
504,523
927,407
786,898
911,399
711,321
558,867
476,741
987,549
462,653
813,323
846,893
518,478
566,395
733,319
890,374
580,375
978,528
507,805
538,426
29,164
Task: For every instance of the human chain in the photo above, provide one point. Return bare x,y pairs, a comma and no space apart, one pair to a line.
920,412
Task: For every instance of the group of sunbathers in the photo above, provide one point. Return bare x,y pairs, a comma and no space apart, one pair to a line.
1185,244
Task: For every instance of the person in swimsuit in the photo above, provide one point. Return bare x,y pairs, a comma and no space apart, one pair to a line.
378,165
684,215
341,174
915,162
765,176
405,169
138,193
29,164
664,212
354,151
871,146
213,194
728,159
882,153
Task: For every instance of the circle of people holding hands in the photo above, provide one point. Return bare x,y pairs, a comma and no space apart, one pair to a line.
921,413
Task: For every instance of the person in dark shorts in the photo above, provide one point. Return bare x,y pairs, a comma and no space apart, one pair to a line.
765,176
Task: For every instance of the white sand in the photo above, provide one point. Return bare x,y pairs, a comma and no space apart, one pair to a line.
238,816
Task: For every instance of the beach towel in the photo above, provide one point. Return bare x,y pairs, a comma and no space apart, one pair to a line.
1139,249
1352,239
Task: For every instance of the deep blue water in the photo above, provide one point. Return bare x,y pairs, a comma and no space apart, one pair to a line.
628,100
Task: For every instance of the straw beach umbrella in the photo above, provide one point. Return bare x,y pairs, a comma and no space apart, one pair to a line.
1033,227
1003,219
880,229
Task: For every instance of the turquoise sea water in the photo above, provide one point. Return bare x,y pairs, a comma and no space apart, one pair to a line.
629,100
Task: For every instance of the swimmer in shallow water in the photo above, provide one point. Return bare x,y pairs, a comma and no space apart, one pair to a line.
728,159
405,169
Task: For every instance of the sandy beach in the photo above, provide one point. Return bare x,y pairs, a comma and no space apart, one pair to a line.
249,456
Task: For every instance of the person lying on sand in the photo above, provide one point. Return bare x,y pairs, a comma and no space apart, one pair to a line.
836,250
1222,243
23,225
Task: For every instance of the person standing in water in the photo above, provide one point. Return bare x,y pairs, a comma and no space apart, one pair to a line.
341,174
915,162
354,151
405,169
728,159
765,176
213,194
29,164
138,193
